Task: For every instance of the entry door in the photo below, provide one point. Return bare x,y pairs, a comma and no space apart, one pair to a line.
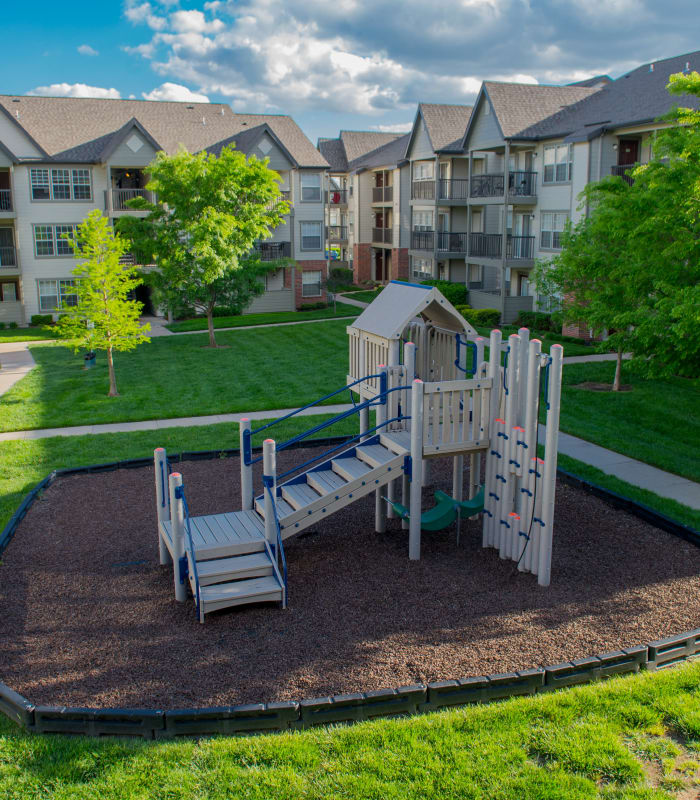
628,152
7,238
379,266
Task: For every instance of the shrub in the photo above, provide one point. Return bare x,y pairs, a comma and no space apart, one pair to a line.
341,275
2,326
455,293
14,325
483,317
535,320
313,306
41,319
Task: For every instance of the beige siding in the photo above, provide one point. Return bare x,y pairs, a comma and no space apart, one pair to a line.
366,216
282,300
485,129
11,311
124,156
15,140
420,146
405,194
307,212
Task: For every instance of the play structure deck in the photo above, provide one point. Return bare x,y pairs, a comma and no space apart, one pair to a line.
417,363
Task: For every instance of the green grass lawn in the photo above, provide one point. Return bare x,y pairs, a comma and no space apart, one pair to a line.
546,337
178,376
601,741
28,334
246,320
658,422
365,295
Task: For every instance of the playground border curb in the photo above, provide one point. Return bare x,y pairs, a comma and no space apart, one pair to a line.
400,701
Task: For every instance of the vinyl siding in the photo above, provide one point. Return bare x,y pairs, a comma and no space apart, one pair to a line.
15,140
280,300
420,146
124,156
405,195
484,131
307,212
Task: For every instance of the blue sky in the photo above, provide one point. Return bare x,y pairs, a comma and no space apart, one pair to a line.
332,64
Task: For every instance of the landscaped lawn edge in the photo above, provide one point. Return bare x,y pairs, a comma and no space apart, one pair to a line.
399,701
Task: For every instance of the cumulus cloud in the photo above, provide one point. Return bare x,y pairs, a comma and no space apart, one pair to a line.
174,91
75,90
86,50
399,127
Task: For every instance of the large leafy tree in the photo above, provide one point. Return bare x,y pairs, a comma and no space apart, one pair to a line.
104,317
632,266
210,211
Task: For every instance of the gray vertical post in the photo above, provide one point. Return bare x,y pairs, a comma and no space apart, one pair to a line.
394,352
409,360
364,422
160,465
379,502
523,364
270,475
417,471
177,522
246,469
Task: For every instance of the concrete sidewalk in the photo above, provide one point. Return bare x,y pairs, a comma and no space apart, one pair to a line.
158,326
15,362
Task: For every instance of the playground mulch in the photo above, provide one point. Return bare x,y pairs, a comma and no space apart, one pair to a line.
88,617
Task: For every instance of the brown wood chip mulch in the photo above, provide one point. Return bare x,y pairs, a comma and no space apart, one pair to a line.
88,617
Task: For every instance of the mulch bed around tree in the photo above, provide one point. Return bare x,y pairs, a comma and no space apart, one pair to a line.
88,617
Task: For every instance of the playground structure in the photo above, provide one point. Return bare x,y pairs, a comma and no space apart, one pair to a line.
408,352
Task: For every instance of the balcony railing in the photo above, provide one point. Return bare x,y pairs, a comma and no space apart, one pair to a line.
423,190
487,185
383,235
485,245
422,240
5,200
522,184
453,189
272,251
382,194
520,247
337,197
120,198
452,242
621,171
8,256
337,233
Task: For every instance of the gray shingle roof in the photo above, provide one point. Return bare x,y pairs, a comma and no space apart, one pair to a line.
333,151
446,124
81,129
386,155
358,143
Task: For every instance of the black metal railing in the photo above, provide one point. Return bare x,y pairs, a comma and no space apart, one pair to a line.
486,185
423,190
337,197
337,233
120,198
422,240
520,247
382,194
621,171
5,200
453,189
522,184
452,242
8,256
383,235
485,245
272,251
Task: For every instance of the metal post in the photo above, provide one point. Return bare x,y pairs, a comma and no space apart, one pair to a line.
556,353
379,502
177,523
270,480
364,422
160,464
246,469
417,470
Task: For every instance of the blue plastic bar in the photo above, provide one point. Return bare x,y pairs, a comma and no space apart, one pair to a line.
415,285
280,548
180,493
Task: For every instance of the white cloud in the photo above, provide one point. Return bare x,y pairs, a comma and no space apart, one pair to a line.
140,13
86,50
174,91
194,22
75,90
399,127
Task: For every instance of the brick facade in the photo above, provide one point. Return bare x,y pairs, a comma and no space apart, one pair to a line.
309,266
362,263
580,331
399,264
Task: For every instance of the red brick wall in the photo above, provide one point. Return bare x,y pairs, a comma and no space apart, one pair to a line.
362,262
306,266
579,331
399,264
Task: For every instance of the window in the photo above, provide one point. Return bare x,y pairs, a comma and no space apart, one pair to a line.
421,268
423,171
310,186
422,220
558,163
274,281
8,292
56,294
49,241
310,235
311,283
551,227
60,184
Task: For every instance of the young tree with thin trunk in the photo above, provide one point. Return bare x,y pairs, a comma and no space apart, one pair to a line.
209,215
104,318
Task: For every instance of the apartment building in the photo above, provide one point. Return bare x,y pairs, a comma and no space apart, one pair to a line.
368,192
60,158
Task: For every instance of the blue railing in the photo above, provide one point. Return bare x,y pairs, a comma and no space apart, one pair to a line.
473,347
279,552
180,494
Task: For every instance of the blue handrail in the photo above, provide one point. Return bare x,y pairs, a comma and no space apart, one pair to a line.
460,344
180,494
280,549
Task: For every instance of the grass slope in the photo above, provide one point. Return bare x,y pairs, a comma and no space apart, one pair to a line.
8,335
597,741
247,320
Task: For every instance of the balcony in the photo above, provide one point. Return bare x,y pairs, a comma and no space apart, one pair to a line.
337,197
382,194
382,235
8,256
455,243
485,245
337,233
116,201
487,185
6,200
273,251
423,240
522,186
520,247
453,189
621,171
423,190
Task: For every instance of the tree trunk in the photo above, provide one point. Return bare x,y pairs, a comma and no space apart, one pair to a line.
112,378
210,326
618,370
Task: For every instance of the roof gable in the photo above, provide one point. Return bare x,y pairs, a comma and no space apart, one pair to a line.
246,141
446,125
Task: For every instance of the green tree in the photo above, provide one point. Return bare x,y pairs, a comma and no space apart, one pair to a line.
104,318
632,266
209,214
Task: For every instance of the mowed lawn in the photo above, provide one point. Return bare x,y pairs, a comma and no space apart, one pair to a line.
631,738
179,376
246,320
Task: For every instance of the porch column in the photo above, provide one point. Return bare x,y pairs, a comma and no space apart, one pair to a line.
504,242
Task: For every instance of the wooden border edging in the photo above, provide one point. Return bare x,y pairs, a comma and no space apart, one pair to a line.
401,701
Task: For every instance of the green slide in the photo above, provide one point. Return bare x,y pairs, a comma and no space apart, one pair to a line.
445,512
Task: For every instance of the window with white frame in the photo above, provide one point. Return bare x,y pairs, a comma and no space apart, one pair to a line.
60,184
310,235
422,220
49,240
558,163
552,224
311,283
274,281
421,268
311,186
423,170
57,294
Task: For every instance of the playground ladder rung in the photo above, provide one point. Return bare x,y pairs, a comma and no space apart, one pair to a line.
283,507
219,570
350,468
325,481
374,454
299,495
